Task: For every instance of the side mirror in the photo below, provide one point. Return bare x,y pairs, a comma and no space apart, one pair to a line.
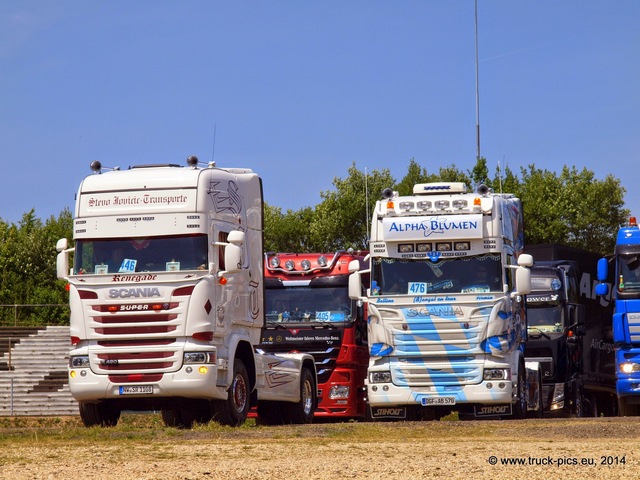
523,280
232,258
62,260
602,289
232,252
62,244
62,265
602,273
354,266
525,260
355,285
602,270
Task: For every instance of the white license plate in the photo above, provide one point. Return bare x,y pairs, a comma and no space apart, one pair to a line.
426,401
136,389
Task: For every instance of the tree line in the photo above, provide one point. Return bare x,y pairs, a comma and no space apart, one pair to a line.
571,207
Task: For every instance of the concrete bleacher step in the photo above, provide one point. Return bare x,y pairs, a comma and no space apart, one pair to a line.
34,378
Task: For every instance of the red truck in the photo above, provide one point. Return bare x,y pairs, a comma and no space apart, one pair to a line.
308,310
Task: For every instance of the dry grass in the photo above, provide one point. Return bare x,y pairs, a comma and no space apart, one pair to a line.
141,447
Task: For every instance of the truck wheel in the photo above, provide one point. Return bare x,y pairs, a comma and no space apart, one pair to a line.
539,410
270,413
175,418
99,414
520,407
234,410
302,411
593,406
626,409
578,403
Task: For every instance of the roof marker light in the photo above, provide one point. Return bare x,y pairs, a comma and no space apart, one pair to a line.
274,262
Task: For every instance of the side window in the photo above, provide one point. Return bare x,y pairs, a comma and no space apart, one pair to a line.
222,237
509,272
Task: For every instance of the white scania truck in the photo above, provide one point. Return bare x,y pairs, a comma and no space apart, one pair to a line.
167,300
446,316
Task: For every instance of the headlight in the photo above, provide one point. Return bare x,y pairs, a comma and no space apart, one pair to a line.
199,357
81,361
380,377
629,367
339,391
496,374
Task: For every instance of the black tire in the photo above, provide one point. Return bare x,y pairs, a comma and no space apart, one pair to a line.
520,406
538,412
234,410
177,418
302,411
269,413
595,406
578,403
99,414
626,409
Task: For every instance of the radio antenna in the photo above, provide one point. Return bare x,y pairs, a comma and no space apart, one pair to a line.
477,90
213,150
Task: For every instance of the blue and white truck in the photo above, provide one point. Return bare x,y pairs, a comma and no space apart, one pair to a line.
446,310
625,290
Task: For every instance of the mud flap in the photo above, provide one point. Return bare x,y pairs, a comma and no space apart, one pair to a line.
484,411
390,413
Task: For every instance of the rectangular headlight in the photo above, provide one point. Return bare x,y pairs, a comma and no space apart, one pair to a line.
629,367
405,247
443,246
380,377
199,357
457,246
424,247
339,391
81,361
496,374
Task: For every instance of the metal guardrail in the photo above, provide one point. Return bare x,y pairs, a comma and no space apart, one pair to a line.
16,307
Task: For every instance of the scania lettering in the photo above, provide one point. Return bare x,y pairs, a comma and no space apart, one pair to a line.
625,292
167,300
569,328
446,313
309,310
133,292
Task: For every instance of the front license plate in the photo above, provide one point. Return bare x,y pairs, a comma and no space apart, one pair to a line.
428,401
136,389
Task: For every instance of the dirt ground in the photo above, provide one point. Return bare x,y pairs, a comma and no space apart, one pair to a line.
602,448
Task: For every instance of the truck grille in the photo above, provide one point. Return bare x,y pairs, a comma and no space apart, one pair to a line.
135,338
443,350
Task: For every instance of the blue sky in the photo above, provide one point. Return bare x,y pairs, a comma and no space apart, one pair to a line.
300,90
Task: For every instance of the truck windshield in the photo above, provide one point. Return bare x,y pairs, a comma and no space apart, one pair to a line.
473,274
141,254
303,304
547,318
629,273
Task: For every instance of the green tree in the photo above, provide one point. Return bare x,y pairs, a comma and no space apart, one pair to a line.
28,266
480,174
288,232
573,208
342,220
